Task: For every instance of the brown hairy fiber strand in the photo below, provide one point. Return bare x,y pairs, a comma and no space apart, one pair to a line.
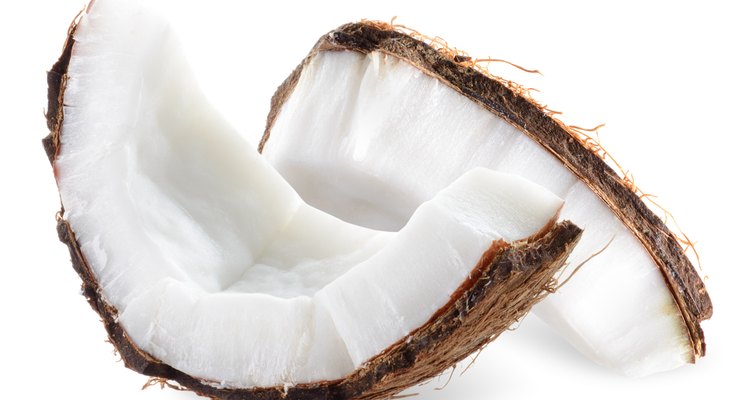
513,106
508,280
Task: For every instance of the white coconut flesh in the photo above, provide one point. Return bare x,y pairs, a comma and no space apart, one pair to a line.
369,138
212,261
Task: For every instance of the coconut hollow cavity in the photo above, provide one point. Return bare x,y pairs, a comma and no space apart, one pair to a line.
402,119
209,270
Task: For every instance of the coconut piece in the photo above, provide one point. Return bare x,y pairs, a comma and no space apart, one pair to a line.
208,269
401,120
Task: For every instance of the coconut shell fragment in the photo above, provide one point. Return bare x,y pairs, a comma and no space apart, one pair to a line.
504,285
663,246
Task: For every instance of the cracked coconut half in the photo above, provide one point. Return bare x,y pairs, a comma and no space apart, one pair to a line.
208,269
374,122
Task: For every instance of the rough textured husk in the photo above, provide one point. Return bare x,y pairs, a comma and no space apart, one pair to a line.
502,288
682,278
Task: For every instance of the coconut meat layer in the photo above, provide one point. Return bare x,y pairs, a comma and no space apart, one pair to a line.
213,262
395,137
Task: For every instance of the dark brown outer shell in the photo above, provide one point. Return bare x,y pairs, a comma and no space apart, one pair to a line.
682,278
501,289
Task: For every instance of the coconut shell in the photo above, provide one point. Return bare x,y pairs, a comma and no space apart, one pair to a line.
508,280
680,275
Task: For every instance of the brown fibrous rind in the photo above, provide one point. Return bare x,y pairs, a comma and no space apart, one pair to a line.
508,280
516,107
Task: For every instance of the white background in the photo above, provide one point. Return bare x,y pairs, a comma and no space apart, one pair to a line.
670,79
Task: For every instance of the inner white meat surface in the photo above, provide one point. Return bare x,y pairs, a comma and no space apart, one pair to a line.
214,263
368,138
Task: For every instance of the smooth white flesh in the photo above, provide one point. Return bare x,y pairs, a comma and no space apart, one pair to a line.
214,263
396,136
